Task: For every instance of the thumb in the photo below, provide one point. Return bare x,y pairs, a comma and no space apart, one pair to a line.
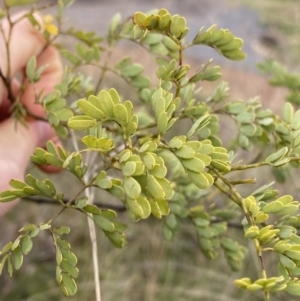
17,143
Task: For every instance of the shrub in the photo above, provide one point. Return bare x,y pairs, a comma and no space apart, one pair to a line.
161,153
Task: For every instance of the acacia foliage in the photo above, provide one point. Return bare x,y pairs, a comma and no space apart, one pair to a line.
150,169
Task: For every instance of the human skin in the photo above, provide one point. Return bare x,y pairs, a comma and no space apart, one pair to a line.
17,143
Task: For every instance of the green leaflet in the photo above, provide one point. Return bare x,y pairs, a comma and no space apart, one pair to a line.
104,223
80,123
132,70
193,164
287,113
18,258
185,152
277,156
26,244
295,124
178,25
145,206
293,288
135,207
154,189
132,188
89,109
199,179
120,114
70,269
69,283
129,168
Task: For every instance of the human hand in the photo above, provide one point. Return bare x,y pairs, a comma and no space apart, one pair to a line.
17,144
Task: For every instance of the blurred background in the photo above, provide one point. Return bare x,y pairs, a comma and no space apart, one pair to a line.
149,268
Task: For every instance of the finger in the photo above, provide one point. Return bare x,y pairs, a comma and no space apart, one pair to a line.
26,42
19,143
17,147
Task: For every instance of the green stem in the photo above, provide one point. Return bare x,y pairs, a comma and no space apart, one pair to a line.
180,54
71,200
104,69
262,266
240,201
256,165
244,181
249,166
226,193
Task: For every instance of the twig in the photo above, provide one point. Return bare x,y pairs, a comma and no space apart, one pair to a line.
92,228
226,193
244,181
243,167
48,201
104,69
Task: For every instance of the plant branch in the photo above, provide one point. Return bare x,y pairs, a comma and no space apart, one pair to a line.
249,166
244,181
48,201
226,193
92,229
240,200
256,165
104,69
